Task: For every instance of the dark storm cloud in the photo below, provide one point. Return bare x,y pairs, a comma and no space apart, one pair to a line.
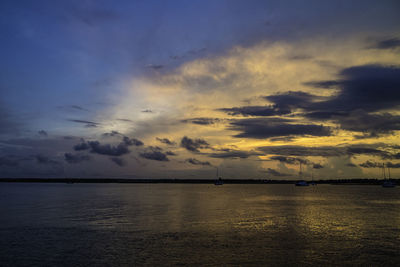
154,155
290,160
360,91
286,102
389,43
75,158
107,149
170,153
87,123
42,133
287,150
45,160
132,141
317,166
283,104
392,165
370,164
198,162
329,151
273,172
120,162
81,146
367,150
193,144
235,154
254,111
202,121
166,141
368,87
373,124
112,133
261,128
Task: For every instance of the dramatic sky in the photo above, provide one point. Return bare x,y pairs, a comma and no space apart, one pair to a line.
177,89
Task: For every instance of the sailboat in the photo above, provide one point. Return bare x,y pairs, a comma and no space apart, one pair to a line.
218,181
312,177
301,182
387,182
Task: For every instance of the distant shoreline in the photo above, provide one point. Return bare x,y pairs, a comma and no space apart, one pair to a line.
189,181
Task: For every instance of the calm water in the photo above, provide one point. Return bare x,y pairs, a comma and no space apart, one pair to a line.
182,224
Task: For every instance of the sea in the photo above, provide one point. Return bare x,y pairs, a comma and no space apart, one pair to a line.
50,224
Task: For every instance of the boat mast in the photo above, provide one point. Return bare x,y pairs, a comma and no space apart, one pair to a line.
383,170
300,172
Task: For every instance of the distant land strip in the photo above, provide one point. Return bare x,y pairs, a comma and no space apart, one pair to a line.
360,181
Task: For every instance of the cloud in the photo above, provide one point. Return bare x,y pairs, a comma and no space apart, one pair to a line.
111,134
260,128
202,121
328,151
372,124
166,141
147,111
291,150
43,133
392,165
197,162
120,162
87,123
389,43
81,146
154,155
371,164
170,153
108,149
289,160
317,166
193,144
132,141
235,154
367,87
289,101
75,158
254,111
365,149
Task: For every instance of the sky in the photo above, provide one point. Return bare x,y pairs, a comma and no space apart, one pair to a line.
179,89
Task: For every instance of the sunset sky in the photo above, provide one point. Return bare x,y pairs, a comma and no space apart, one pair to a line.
177,89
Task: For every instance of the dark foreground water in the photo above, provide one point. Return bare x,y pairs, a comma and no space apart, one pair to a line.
187,224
